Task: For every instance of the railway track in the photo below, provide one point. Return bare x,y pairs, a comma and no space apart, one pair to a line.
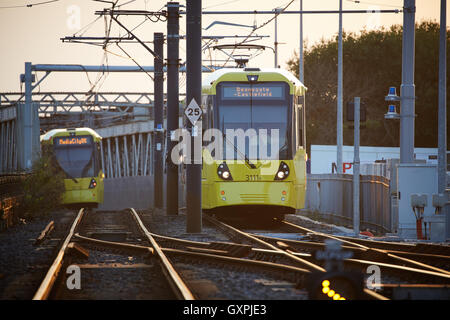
279,248
411,269
115,243
251,266
114,260
218,270
387,252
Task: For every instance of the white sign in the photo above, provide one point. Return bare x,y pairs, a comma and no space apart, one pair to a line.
193,111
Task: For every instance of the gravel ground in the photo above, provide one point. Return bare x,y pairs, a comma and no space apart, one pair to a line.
23,265
158,222
106,276
224,283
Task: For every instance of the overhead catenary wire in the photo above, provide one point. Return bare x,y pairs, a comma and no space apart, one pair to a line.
220,4
276,14
132,59
84,29
104,75
375,4
29,5
108,26
123,4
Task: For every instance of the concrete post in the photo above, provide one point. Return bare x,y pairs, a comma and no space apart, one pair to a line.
25,123
173,26
194,91
158,42
407,90
442,114
356,165
301,76
339,129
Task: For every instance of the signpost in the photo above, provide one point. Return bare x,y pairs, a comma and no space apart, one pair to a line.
194,112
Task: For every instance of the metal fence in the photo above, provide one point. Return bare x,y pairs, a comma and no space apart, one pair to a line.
332,195
128,155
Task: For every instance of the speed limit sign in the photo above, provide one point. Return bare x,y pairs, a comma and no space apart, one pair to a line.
193,111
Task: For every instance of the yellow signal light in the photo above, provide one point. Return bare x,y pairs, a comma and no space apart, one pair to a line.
330,292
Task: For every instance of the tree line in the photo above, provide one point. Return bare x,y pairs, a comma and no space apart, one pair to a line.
372,62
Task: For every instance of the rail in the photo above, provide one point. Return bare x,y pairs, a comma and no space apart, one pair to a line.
47,284
177,284
388,253
292,255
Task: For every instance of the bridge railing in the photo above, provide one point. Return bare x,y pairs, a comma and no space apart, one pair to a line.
8,140
10,195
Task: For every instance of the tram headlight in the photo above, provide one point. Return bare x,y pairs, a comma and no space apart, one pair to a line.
93,184
283,171
223,172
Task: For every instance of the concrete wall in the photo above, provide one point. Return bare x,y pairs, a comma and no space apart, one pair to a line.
134,192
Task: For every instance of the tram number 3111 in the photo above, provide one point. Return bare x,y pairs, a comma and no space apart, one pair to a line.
253,177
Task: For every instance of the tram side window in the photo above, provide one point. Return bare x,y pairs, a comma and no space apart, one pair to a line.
207,116
97,159
299,125
210,112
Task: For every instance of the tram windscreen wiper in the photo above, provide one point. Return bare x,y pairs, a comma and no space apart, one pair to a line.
65,172
73,178
247,160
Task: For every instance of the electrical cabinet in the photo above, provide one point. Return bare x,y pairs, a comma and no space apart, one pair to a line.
414,179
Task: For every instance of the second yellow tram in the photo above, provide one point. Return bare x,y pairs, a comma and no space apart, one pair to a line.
76,152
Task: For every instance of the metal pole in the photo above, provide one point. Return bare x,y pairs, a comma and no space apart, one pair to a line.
356,213
158,43
442,114
27,148
442,117
300,59
194,92
339,130
407,90
173,27
276,39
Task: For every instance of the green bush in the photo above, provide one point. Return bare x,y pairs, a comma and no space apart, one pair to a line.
43,189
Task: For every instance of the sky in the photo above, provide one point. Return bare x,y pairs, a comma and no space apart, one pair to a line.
33,34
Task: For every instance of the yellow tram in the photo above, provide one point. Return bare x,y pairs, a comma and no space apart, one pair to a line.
242,179
77,153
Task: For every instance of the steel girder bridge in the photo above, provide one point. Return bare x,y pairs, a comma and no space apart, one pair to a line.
125,116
